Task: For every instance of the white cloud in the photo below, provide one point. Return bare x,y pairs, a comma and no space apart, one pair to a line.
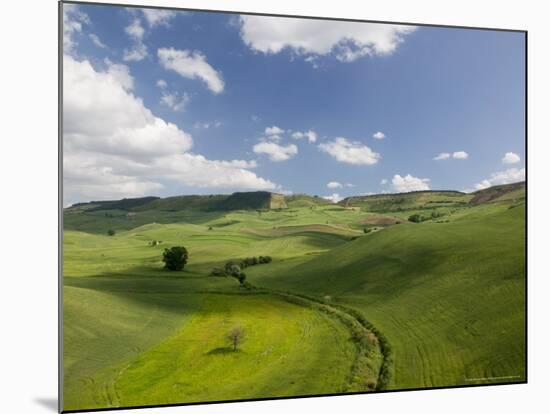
379,135
274,130
384,181
97,41
409,183
511,158
350,152
460,155
512,175
285,192
349,185
191,65
310,135
442,156
334,184
73,19
311,38
115,147
335,197
135,30
138,51
275,151
174,101
158,17
121,74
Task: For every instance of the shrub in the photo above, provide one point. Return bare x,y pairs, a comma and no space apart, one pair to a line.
111,232
218,271
228,266
416,218
175,258
241,277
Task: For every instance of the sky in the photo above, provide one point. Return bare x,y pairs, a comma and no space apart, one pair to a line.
166,102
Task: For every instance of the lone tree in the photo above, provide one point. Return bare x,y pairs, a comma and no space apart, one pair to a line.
175,258
111,232
235,336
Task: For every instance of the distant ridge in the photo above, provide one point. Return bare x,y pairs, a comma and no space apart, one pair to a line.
265,200
253,200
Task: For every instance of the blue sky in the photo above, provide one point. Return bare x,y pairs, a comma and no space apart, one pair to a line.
166,103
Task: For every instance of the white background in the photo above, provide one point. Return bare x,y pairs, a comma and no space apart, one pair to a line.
28,204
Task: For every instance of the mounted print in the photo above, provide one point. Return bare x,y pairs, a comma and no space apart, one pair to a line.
259,207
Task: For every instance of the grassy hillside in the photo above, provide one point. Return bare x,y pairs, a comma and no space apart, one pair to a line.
445,297
449,296
500,193
407,201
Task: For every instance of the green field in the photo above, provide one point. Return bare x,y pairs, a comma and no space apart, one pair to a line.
356,298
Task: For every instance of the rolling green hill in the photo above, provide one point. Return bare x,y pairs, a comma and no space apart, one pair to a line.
356,297
407,201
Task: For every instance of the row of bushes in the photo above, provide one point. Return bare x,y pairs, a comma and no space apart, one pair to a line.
363,333
385,347
236,269
418,218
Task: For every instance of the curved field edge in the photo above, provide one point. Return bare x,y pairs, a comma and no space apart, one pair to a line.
333,353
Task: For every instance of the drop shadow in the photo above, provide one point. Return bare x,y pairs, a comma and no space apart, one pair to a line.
50,403
223,351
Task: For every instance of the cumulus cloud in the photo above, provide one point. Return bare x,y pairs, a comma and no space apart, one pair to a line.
73,19
379,135
310,135
191,65
275,151
274,130
457,155
383,181
460,155
138,51
511,158
512,175
350,152
334,197
334,184
158,17
174,101
115,147
442,156
409,183
312,38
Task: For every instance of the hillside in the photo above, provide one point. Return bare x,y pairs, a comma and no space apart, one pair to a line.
304,200
212,202
407,201
514,191
445,296
449,296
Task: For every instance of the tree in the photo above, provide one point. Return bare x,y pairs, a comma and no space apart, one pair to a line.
175,258
416,218
241,277
235,336
111,232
